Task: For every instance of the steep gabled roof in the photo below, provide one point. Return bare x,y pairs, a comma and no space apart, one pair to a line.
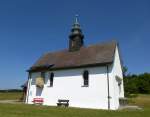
99,54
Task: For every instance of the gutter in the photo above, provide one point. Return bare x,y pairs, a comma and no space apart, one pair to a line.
108,87
45,68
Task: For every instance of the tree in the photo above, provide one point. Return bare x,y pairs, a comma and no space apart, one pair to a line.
134,84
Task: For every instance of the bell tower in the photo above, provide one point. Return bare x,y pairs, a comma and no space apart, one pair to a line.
76,36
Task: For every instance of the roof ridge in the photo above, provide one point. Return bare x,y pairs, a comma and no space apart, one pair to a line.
104,43
96,44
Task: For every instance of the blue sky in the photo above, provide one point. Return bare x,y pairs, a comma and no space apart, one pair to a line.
29,28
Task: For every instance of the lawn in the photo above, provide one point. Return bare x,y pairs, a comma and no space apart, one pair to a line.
10,95
22,110
141,100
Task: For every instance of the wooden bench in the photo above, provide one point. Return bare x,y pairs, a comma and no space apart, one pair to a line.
62,102
38,100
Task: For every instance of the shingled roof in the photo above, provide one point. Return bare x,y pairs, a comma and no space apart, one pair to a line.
94,55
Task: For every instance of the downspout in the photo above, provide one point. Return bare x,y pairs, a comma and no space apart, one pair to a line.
108,87
28,87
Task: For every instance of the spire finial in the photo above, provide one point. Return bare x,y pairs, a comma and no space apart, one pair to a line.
76,18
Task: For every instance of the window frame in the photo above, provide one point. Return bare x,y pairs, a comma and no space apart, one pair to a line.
43,75
85,76
51,79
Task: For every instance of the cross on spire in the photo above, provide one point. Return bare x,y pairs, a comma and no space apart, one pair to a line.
76,24
76,19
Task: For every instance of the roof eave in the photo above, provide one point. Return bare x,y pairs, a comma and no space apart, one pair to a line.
39,69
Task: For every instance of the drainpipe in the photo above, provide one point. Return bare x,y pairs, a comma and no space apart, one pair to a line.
108,87
28,87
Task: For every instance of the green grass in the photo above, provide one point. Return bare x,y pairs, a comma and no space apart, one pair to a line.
141,100
10,95
22,110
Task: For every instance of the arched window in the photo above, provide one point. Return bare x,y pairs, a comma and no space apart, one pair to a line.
43,76
51,79
85,78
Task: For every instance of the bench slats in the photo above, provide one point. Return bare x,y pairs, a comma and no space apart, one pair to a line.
63,102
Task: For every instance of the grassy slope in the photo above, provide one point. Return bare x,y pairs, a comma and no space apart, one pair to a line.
10,96
20,110
141,100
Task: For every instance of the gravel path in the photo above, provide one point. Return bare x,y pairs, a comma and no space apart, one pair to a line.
10,101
